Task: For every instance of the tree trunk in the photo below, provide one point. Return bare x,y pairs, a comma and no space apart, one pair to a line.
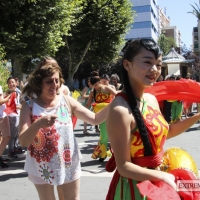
72,66
16,68
70,80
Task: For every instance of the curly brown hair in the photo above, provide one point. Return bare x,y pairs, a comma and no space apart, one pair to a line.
41,72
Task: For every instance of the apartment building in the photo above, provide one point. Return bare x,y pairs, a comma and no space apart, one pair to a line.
195,39
151,21
163,20
165,28
146,21
173,31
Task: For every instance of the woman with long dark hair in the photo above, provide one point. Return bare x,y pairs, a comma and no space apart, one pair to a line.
136,128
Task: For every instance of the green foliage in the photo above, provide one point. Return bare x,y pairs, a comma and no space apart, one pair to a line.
196,11
31,29
82,30
99,36
166,43
4,73
2,53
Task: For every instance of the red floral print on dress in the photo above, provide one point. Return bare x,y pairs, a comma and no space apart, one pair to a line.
45,144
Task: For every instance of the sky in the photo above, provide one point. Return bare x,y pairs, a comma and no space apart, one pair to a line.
177,11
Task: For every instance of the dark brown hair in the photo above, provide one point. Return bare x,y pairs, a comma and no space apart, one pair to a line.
43,70
132,49
94,77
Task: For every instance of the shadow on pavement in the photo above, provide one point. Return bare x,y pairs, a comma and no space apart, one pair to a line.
92,163
6,177
191,129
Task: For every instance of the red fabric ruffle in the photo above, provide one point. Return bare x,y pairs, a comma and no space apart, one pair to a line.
74,120
183,89
11,105
157,190
161,190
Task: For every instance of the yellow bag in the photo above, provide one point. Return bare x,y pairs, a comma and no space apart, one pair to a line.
75,94
99,106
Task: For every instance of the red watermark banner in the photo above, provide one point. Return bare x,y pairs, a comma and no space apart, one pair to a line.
188,185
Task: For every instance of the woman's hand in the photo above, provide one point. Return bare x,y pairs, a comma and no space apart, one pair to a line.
7,98
46,121
169,179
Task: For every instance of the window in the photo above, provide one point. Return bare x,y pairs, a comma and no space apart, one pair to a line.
195,29
142,25
154,2
196,46
140,9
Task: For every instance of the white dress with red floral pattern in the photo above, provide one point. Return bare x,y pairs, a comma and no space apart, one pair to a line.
54,153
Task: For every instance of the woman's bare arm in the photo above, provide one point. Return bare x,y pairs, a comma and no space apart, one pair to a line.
90,99
4,100
28,130
182,126
85,114
84,95
111,90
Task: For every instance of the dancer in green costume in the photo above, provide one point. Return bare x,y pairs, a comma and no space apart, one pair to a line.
101,95
85,95
177,109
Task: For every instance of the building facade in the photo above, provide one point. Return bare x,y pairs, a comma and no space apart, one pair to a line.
195,39
146,21
163,20
172,31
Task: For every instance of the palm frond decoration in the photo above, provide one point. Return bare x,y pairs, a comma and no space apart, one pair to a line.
196,10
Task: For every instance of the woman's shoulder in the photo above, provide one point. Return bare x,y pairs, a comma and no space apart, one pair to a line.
148,96
151,100
120,102
107,88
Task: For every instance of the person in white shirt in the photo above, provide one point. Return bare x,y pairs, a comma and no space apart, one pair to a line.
64,90
14,121
4,128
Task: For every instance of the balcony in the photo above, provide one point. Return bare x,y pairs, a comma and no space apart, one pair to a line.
195,38
195,30
196,47
195,34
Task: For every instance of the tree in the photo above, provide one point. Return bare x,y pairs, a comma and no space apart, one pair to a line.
196,11
166,43
195,61
31,29
3,69
98,37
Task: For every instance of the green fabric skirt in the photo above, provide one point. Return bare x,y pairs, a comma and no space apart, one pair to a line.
123,191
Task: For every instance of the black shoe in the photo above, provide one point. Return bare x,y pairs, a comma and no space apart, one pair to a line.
2,164
12,155
102,159
191,114
19,151
5,159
